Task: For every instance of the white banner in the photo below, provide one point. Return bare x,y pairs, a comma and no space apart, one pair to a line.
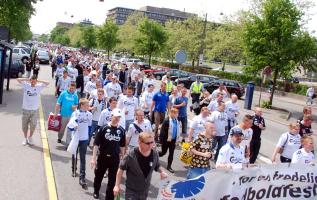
279,181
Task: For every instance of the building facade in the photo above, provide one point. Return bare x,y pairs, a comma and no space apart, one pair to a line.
119,14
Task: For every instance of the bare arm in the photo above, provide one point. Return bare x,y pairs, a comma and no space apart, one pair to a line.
116,189
57,109
20,80
277,149
93,161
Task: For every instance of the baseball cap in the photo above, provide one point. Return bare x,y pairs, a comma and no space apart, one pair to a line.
236,130
116,112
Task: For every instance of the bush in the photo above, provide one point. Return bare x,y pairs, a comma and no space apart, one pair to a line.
266,104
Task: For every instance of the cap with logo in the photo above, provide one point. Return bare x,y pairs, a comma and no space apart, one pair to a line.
116,112
236,131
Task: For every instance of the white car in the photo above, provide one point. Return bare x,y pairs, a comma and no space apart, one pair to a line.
20,54
132,61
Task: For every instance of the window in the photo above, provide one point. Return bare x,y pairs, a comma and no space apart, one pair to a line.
15,50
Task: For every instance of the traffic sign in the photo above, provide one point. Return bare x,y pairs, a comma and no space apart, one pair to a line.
180,56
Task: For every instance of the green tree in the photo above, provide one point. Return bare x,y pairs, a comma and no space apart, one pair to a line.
43,38
15,15
89,37
57,33
151,38
172,28
272,37
75,35
128,32
107,36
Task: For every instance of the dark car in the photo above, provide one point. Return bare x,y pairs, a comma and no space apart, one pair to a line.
159,74
17,69
143,66
187,81
233,87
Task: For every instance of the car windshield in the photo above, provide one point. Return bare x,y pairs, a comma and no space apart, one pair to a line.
42,53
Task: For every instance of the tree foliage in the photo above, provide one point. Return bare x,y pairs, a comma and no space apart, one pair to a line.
89,37
150,39
15,15
107,36
272,37
128,32
59,36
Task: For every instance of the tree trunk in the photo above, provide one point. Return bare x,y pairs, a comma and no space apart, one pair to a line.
150,56
275,73
193,63
108,54
223,66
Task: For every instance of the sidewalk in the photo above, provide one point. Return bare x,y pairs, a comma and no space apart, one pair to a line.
22,169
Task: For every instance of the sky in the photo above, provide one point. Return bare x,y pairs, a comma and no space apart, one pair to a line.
48,12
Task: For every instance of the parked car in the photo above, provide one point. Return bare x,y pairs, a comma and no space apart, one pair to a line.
159,74
180,74
17,69
20,54
233,87
131,61
155,70
187,81
143,66
43,57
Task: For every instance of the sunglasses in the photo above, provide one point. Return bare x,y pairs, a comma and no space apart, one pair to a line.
148,143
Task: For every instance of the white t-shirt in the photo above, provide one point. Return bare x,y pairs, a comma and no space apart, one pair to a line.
63,83
31,95
72,73
129,104
99,108
221,121
59,71
134,134
229,154
303,157
198,124
215,93
112,90
86,79
147,82
134,73
310,92
213,105
90,86
232,109
147,98
292,144
83,119
105,117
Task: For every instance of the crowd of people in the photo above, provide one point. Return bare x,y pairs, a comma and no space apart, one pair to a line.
114,110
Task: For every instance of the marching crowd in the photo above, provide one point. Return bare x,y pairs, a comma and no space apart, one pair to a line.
114,110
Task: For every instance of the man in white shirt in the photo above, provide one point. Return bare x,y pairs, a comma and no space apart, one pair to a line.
72,72
310,95
148,81
31,103
222,90
247,131
128,104
198,124
213,105
113,89
63,83
220,119
91,85
105,115
304,155
146,99
232,110
135,72
138,126
232,154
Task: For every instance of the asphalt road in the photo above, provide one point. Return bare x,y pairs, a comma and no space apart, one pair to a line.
68,187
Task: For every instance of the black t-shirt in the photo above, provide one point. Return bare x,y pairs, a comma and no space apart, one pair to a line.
304,130
110,139
257,120
145,163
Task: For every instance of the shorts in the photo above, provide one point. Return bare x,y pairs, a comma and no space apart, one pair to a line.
29,117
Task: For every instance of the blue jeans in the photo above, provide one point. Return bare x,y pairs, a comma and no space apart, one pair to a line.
183,120
196,171
220,140
82,149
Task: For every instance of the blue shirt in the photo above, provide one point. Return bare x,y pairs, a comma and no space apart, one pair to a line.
182,111
174,134
66,100
161,100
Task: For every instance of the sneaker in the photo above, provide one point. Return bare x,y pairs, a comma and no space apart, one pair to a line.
59,141
96,196
30,141
170,170
25,141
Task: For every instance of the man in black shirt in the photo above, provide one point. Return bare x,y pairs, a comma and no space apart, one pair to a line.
305,125
139,164
110,141
257,126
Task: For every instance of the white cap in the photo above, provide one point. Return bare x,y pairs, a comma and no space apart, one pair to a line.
116,112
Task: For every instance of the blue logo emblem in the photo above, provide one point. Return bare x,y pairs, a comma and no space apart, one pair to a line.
188,188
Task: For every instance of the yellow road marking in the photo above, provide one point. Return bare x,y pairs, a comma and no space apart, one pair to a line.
51,186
